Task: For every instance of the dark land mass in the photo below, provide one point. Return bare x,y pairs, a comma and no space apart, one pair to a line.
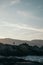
20,50
9,52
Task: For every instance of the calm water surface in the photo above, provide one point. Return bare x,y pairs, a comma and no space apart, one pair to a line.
33,58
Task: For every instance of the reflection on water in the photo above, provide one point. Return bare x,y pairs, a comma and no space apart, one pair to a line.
11,60
33,58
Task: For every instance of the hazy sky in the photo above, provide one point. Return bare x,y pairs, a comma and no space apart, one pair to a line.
21,19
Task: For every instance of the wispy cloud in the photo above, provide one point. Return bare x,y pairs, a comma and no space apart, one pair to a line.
12,2
8,3
21,16
30,15
21,26
22,13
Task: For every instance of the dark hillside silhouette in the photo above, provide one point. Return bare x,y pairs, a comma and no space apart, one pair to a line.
20,50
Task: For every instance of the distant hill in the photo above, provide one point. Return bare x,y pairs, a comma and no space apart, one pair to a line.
17,42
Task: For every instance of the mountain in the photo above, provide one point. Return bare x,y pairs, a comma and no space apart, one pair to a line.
12,41
17,42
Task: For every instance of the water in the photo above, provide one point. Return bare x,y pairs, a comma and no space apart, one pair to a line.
33,58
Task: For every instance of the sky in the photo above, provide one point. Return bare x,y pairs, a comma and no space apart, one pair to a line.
21,19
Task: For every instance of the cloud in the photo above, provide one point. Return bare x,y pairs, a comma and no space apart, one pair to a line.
37,36
12,2
22,13
8,3
29,28
30,15
20,26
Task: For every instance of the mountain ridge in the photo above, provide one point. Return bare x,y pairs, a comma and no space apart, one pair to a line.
11,41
